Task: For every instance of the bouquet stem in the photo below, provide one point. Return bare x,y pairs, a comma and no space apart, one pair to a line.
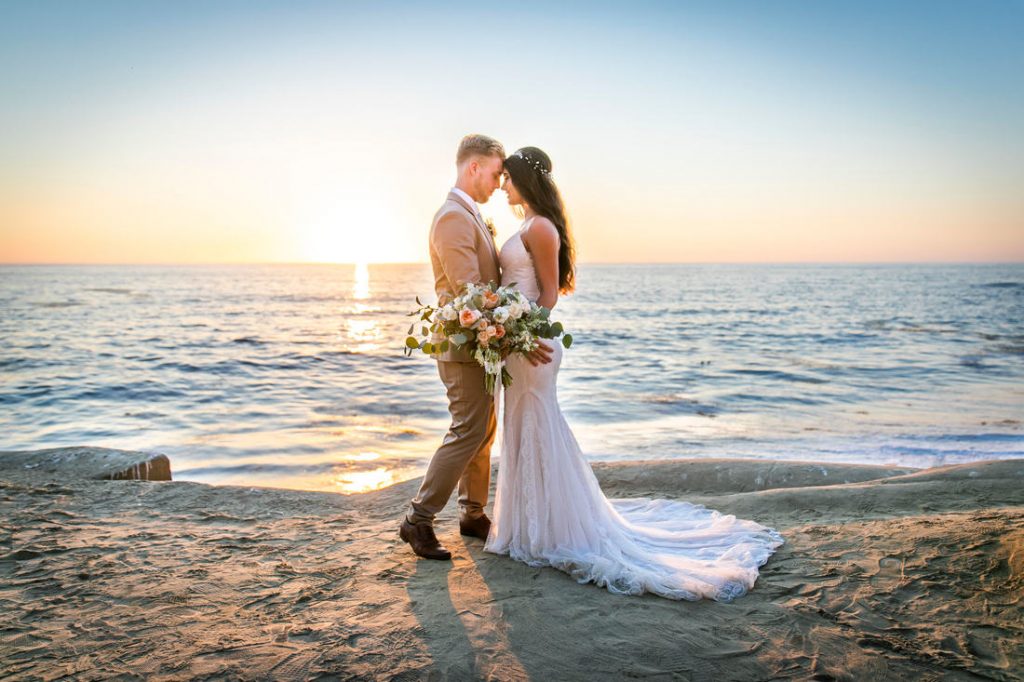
492,377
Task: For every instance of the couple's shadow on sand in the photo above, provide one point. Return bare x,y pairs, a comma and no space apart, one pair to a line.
887,573
484,616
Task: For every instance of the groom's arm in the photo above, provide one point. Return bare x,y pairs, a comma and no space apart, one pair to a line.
455,243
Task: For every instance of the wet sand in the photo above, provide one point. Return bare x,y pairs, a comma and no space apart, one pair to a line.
887,573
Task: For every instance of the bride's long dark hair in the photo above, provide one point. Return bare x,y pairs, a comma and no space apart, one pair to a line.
530,171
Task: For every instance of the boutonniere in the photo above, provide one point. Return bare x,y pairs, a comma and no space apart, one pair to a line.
490,227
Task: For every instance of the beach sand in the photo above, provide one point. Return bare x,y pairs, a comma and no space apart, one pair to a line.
887,573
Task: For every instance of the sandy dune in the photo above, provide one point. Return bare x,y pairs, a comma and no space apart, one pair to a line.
887,573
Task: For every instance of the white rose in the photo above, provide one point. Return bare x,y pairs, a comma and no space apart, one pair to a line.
448,313
501,314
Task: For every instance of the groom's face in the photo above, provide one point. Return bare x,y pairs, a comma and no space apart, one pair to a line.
487,177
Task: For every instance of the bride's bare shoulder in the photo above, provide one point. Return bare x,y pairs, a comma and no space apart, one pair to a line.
541,229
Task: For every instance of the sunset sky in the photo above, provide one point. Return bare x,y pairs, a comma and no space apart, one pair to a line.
213,132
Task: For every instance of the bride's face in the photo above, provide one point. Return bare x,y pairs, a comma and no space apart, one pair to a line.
514,199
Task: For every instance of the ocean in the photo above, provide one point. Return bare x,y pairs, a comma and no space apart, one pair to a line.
293,375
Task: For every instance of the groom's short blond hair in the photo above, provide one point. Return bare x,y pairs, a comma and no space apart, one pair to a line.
478,145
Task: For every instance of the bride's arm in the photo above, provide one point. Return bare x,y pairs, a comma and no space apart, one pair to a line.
541,240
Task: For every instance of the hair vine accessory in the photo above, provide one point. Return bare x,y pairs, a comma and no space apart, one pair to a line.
533,162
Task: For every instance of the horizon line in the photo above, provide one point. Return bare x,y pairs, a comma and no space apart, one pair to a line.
424,263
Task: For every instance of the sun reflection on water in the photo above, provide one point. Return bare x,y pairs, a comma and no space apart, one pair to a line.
361,290
365,481
363,334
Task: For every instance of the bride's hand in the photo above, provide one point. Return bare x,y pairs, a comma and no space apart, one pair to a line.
540,355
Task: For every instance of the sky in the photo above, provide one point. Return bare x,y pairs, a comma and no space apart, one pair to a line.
707,132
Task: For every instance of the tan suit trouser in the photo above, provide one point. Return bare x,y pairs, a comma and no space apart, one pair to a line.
464,457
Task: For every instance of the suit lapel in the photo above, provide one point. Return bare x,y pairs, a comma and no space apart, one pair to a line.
480,225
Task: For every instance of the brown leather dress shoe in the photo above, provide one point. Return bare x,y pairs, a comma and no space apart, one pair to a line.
476,528
423,541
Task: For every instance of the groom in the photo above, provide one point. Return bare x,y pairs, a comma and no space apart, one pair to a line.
461,250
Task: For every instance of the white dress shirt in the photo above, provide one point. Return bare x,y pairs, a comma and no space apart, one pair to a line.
469,201
479,217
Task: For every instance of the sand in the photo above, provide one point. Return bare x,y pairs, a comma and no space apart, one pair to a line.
887,573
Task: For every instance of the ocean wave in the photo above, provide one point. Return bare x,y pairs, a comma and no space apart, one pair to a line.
130,392
295,468
22,363
109,290
778,374
975,362
249,341
57,304
678,404
1003,285
966,437
774,399
255,468
25,394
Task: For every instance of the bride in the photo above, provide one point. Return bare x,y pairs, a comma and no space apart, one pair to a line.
549,509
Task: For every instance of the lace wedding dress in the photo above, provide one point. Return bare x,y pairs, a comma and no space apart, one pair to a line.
549,509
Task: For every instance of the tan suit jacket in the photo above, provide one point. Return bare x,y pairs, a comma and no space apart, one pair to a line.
461,250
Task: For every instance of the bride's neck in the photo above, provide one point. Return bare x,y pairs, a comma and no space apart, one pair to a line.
528,212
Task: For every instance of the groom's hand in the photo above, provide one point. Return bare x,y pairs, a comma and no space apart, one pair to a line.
540,355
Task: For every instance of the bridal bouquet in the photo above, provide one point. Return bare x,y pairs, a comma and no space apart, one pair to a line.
488,321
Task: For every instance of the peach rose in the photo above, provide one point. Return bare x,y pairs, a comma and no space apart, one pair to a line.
499,331
491,299
483,336
467,317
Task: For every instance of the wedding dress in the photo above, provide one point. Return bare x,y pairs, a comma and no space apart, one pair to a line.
549,509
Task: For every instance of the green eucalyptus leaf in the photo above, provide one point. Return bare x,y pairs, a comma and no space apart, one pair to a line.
567,340
459,339
411,342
